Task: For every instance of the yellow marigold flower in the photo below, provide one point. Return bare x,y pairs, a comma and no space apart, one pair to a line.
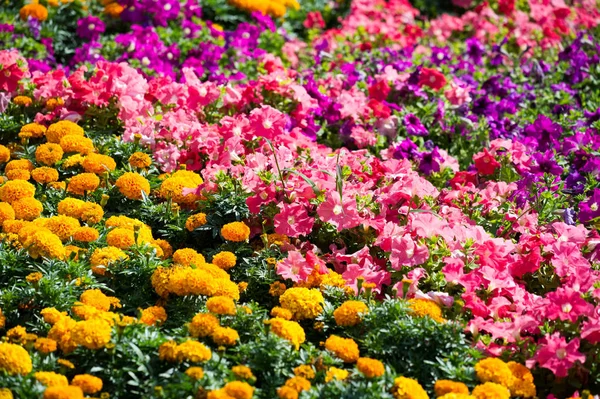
242,286
60,129
18,174
239,390
305,371
48,154
195,221
195,373
14,226
15,190
287,393
58,185
65,363
225,260
221,305
88,383
45,345
193,351
4,154
454,395
243,372
494,370
45,175
71,207
34,10
371,368
103,257
68,392
281,312
6,212
225,336
140,160
82,183
16,334
425,307
27,208
32,130
153,315
6,393
350,313
288,330
491,390
131,185
22,100
520,372
86,234
235,231
14,359
91,213
407,388
93,334
78,144
344,348
304,303
47,245
63,226
298,384
203,325
442,387
173,187
120,238
168,351
51,315
51,379
333,373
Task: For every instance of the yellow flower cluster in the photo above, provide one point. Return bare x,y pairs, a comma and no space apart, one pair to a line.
221,305
205,279
288,330
173,187
334,373
51,379
305,371
243,372
443,387
153,315
195,221
89,384
516,378
34,10
371,368
195,372
14,359
191,351
425,308
304,303
233,389
133,186
235,231
407,388
344,348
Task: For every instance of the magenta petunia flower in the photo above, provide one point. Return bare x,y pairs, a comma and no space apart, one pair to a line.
557,355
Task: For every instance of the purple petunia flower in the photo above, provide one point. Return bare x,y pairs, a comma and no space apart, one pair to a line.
90,28
414,127
545,163
590,209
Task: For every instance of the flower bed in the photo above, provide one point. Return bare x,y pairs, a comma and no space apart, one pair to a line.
403,209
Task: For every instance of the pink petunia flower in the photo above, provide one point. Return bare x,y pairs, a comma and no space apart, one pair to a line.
294,267
293,220
557,355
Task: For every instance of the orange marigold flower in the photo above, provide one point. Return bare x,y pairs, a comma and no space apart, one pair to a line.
491,390
195,221
298,384
304,303
235,231
371,368
34,10
60,129
63,226
425,307
305,371
153,315
75,143
34,277
203,325
288,330
15,190
4,154
221,305
166,248
113,9
93,334
344,348
102,258
225,336
82,183
173,188
281,312
32,130
193,351
51,379
350,313
187,257
494,370
6,212
277,288
44,175
239,390
22,100
18,174
140,160
86,234
98,163
68,392
27,208
14,359
334,373
168,351
287,393
195,372
225,260
407,388
48,154
19,164
120,238
243,372
45,345
89,384
131,185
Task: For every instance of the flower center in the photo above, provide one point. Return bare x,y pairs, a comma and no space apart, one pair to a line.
91,26
594,207
561,353
337,209
167,7
291,220
267,124
567,307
